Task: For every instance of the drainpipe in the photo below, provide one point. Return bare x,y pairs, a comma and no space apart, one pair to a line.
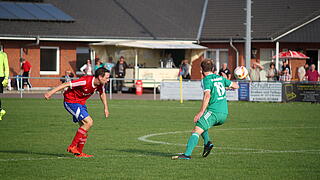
28,45
237,52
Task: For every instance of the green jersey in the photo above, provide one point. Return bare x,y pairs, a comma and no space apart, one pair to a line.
216,85
4,67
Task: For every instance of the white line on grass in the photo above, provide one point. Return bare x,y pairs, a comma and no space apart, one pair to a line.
145,139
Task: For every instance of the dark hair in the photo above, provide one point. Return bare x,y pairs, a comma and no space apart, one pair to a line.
101,72
207,65
272,64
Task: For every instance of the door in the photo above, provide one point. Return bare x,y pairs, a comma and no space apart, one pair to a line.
265,60
314,57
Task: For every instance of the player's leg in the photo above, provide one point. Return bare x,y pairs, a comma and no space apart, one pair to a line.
192,143
80,114
2,111
82,143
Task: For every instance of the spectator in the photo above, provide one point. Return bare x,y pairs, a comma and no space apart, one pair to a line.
225,72
25,72
120,72
254,72
285,66
312,74
67,77
184,69
285,76
99,64
302,72
169,61
110,66
272,73
86,69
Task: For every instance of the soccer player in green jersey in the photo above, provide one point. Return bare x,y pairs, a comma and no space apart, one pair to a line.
213,111
4,76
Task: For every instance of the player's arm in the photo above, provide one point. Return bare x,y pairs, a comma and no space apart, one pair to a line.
103,98
234,85
56,89
204,105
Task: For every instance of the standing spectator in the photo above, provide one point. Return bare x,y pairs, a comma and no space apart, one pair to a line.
285,66
184,69
25,72
99,64
254,72
110,67
312,74
4,76
120,71
272,73
169,61
302,72
86,69
225,72
285,76
67,77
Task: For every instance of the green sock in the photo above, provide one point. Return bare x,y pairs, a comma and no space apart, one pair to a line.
193,141
205,136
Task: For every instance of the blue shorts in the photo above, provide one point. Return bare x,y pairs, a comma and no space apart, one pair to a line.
78,111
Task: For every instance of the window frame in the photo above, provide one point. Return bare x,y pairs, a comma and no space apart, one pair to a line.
57,71
217,58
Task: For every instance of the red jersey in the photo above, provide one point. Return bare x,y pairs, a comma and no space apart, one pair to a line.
81,89
312,76
26,66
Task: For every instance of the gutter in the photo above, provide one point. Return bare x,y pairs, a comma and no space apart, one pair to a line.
28,45
203,16
296,28
237,52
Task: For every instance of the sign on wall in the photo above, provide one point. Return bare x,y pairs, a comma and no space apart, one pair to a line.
301,92
266,91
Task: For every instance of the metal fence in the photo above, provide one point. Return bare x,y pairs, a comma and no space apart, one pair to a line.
19,81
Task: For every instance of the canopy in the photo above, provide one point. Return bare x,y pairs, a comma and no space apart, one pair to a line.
152,44
291,55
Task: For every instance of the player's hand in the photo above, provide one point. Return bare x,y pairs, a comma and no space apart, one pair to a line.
106,112
5,82
47,96
197,117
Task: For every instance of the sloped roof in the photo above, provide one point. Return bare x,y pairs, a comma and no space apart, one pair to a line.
271,18
141,19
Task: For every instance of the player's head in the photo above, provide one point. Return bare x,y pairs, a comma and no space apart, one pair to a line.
207,65
102,74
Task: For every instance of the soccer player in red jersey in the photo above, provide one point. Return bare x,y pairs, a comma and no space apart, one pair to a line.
74,102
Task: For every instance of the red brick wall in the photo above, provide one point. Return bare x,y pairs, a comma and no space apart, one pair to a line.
32,54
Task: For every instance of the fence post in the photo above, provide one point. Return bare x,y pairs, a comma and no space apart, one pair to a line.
110,88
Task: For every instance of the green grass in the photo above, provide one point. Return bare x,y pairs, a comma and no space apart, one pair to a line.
259,141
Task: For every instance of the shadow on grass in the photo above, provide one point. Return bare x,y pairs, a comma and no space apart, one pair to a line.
142,152
30,152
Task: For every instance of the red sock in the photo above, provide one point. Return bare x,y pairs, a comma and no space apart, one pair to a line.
81,143
80,133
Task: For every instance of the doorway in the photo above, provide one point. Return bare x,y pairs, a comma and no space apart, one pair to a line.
313,57
177,55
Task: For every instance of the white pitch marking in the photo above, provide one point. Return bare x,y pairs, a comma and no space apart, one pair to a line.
145,139
34,159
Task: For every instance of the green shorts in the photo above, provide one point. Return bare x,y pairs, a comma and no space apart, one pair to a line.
209,119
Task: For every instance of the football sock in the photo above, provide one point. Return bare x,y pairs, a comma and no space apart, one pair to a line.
80,133
192,142
81,143
205,136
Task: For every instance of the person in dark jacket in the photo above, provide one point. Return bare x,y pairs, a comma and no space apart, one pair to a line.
120,72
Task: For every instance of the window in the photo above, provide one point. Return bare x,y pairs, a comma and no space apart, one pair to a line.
83,53
220,56
49,60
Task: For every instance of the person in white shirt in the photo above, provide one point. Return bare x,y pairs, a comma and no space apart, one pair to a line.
87,68
302,72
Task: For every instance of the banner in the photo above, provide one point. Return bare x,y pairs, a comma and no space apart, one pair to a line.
243,92
301,92
232,94
266,91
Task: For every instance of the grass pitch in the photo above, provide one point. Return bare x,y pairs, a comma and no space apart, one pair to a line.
259,141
